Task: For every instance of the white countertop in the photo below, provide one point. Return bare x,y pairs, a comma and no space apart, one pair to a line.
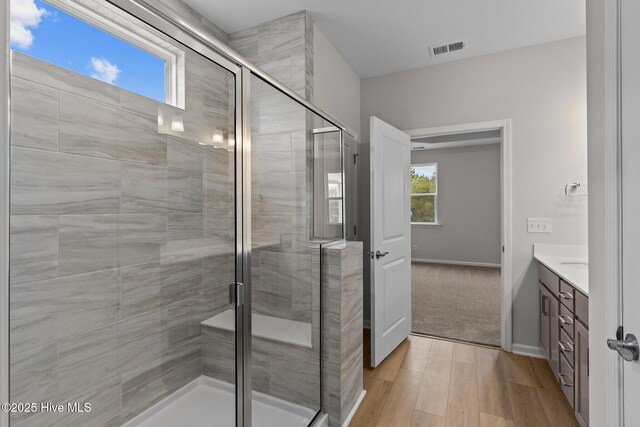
558,258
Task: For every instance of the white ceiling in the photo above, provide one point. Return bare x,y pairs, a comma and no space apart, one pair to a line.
379,37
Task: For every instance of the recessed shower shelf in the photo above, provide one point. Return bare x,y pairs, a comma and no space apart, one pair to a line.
268,327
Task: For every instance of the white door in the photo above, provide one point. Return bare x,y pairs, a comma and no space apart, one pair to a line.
390,161
630,132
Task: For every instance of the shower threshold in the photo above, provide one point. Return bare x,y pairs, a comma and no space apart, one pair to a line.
207,402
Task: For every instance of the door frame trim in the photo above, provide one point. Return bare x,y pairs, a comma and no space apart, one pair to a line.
4,208
612,189
504,125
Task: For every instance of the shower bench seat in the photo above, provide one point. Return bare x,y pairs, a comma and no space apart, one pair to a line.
267,327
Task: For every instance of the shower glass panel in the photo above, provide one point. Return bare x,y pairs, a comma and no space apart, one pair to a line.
285,261
122,238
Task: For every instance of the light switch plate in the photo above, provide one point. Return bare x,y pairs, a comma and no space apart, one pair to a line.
539,225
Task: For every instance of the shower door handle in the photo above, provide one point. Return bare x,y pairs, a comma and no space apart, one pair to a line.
236,293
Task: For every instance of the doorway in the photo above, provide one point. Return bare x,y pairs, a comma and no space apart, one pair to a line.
461,216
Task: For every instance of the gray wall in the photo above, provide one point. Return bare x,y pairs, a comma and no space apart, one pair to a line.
468,206
543,90
336,85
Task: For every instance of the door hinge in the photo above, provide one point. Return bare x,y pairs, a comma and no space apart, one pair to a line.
236,293
355,158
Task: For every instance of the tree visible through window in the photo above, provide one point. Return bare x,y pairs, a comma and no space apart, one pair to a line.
424,193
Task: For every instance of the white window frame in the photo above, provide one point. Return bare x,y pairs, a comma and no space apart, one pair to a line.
121,26
436,217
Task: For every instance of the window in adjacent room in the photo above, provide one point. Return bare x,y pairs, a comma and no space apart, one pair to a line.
86,39
424,193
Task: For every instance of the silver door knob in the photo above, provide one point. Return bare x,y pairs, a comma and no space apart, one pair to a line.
381,254
627,348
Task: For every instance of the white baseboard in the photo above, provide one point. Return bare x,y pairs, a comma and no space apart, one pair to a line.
353,410
468,263
528,350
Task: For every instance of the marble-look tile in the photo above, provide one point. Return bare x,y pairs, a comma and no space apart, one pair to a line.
217,272
144,189
162,376
218,161
300,146
50,183
87,361
149,286
141,238
87,243
351,282
184,317
278,68
272,142
51,310
351,362
141,340
218,357
35,70
296,380
282,122
34,115
273,294
271,161
105,408
141,104
95,129
277,193
217,193
282,34
34,375
245,42
185,226
185,154
34,248
185,191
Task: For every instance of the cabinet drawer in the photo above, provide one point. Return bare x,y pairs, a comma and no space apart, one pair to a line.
566,294
549,279
582,308
566,345
566,321
567,380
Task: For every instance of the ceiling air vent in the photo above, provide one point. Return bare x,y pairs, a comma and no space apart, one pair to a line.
446,48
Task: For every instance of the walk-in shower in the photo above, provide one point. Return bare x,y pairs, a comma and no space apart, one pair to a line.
165,253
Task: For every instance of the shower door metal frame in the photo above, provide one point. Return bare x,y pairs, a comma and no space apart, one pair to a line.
222,55
4,209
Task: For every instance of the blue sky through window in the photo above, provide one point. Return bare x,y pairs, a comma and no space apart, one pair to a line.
47,33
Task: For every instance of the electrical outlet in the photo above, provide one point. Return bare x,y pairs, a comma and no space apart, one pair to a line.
539,225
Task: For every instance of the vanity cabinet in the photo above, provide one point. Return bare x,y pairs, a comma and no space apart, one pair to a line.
564,338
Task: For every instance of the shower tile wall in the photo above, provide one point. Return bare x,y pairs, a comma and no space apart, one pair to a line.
120,238
282,278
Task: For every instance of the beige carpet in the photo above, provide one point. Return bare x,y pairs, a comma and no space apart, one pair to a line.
456,302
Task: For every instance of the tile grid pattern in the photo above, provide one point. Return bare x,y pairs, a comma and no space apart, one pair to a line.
120,238
342,328
432,382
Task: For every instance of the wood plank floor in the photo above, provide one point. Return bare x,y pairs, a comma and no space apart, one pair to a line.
431,382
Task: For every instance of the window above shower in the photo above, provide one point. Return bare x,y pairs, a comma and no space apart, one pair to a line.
89,39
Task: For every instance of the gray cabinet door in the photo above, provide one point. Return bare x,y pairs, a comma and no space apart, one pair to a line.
544,302
554,335
582,374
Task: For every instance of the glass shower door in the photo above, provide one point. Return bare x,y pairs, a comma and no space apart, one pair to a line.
123,226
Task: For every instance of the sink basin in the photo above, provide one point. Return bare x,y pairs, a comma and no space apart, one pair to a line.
576,265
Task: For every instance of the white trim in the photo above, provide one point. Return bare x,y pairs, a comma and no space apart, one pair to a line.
452,144
4,209
353,410
528,350
449,262
506,330
614,391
